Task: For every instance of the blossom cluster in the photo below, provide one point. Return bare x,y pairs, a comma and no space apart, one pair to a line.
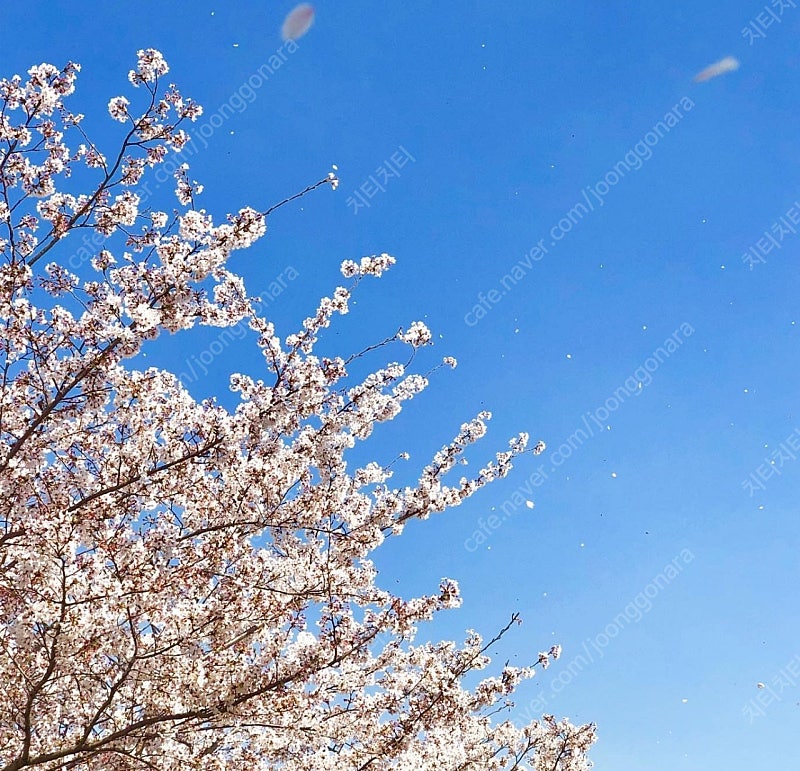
185,585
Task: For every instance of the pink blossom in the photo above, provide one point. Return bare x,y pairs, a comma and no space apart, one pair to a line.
298,22
187,584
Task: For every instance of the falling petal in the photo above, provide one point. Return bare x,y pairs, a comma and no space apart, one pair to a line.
298,22
728,64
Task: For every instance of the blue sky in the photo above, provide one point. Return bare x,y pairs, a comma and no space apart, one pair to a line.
510,111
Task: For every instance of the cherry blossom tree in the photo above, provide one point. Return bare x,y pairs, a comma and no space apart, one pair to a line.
185,586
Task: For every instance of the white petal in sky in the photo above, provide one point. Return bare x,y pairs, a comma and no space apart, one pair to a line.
298,22
728,64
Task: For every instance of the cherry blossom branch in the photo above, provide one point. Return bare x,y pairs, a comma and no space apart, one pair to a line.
329,180
184,584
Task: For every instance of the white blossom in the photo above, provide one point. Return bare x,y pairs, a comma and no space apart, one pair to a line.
151,64
187,585
417,335
118,108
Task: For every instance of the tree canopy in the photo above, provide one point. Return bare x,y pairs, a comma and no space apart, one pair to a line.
184,585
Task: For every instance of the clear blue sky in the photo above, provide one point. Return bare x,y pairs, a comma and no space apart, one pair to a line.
510,110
